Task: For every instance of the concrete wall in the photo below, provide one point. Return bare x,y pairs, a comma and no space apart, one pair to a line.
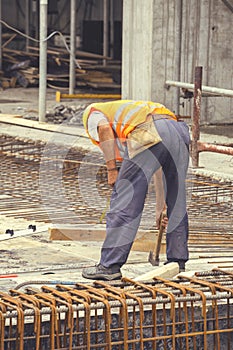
165,40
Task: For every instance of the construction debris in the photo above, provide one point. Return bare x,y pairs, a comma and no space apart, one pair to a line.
66,114
20,68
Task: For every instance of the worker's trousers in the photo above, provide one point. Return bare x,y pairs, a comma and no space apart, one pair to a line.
129,193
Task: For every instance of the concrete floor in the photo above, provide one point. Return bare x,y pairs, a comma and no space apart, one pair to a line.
36,258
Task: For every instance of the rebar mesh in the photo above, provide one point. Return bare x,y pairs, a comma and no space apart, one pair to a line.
209,200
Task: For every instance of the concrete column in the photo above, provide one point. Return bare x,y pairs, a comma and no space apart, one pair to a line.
137,49
149,54
165,39
43,60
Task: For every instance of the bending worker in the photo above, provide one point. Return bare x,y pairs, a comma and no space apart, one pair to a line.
147,137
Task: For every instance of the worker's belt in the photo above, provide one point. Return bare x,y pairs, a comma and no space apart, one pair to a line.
162,116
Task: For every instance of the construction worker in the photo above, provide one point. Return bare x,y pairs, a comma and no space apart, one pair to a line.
146,136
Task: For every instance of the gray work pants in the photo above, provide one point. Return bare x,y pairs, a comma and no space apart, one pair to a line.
129,193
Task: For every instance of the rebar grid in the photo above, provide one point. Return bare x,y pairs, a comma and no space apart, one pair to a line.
209,201
187,313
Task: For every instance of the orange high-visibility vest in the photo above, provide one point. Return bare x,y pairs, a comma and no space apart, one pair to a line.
125,115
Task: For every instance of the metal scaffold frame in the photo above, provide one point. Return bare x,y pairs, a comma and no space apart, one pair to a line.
197,146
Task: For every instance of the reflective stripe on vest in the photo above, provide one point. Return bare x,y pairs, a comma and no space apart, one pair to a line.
125,115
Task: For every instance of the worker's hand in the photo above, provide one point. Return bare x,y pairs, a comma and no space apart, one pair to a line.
112,177
164,221
161,219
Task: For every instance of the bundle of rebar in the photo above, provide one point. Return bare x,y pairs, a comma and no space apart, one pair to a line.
187,313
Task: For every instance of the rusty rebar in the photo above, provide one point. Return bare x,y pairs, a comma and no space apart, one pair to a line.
196,115
188,313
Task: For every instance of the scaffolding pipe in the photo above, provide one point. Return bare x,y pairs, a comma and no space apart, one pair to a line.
209,147
105,31
0,35
179,17
27,23
112,28
43,60
208,89
35,12
72,78
196,115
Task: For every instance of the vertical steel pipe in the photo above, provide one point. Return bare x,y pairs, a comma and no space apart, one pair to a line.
27,22
35,16
112,29
105,31
196,115
179,17
72,77
43,60
0,35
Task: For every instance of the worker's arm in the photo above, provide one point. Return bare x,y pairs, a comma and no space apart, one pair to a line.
160,198
107,145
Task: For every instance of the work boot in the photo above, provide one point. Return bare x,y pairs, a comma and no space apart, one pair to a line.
99,272
181,266
180,262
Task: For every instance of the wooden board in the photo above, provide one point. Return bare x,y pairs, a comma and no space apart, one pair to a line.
144,242
19,120
77,233
167,271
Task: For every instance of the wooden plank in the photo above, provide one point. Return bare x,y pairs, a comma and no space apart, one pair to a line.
147,245
19,120
144,242
77,233
79,53
165,271
103,85
9,40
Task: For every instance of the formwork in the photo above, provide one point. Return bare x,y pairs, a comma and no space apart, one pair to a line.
187,313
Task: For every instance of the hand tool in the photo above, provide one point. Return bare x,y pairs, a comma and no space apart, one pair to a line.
154,255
